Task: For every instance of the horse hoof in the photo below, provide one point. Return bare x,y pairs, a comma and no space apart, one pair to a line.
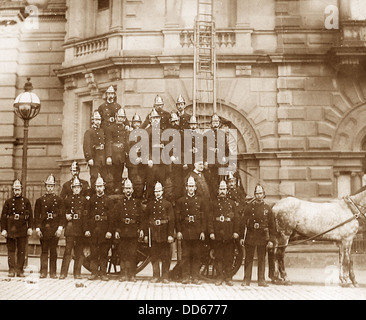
355,285
345,285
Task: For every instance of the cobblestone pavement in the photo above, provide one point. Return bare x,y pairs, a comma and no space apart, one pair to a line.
307,284
33,288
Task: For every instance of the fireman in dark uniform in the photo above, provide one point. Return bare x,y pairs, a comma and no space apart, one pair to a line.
164,115
175,170
217,151
195,150
257,235
191,225
236,193
136,169
127,222
94,149
75,223
156,165
47,214
66,190
117,148
184,117
109,108
159,232
202,181
16,225
223,228
99,230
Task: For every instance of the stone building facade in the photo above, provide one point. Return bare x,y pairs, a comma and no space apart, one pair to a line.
290,78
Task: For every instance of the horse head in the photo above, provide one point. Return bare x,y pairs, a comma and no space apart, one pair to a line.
359,200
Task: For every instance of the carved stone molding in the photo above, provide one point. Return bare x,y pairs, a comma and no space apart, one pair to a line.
70,83
172,71
114,74
90,80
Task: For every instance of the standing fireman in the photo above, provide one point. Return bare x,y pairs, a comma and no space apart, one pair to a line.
159,231
127,231
99,230
117,147
256,217
47,214
94,149
66,190
191,224
224,228
74,223
16,225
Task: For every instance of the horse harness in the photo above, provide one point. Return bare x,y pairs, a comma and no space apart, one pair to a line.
356,210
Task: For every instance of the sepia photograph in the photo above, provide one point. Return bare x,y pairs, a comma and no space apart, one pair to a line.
182,155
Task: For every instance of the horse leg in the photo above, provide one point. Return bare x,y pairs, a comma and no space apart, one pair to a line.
351,272
349,255
280,259
341,259
345,263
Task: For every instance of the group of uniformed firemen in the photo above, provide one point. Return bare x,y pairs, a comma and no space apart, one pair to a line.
203,205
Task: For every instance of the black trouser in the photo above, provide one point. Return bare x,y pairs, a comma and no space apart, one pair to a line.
127,249
49,245
76,243
191,258
99,256
117,170
224,250
16,244
160,251
137,175
271,263
248,265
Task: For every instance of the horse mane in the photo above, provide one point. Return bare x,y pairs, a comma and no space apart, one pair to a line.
359,194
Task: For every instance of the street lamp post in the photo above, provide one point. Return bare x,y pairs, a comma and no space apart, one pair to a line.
26,106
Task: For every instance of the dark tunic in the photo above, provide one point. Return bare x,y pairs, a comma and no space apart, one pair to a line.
17,217
48,214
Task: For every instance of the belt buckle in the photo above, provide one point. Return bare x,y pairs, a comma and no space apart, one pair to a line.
76,216
49,215
190,218
111,119
127,220
256,225
16,216
157,222
222,219
97,217
102,147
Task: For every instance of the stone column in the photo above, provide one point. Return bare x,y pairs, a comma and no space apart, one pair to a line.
116,15
75,18
356,181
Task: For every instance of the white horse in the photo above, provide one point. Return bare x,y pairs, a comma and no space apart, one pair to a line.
310,219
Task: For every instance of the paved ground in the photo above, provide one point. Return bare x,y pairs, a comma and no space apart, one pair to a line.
307,283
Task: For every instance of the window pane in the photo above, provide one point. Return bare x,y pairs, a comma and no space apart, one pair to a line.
103,4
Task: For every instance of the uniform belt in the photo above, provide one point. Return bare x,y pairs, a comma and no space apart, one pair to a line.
222,219
18,216
75,216
119,145
158,222
50,215
191,218
100,147
128,220
98,217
